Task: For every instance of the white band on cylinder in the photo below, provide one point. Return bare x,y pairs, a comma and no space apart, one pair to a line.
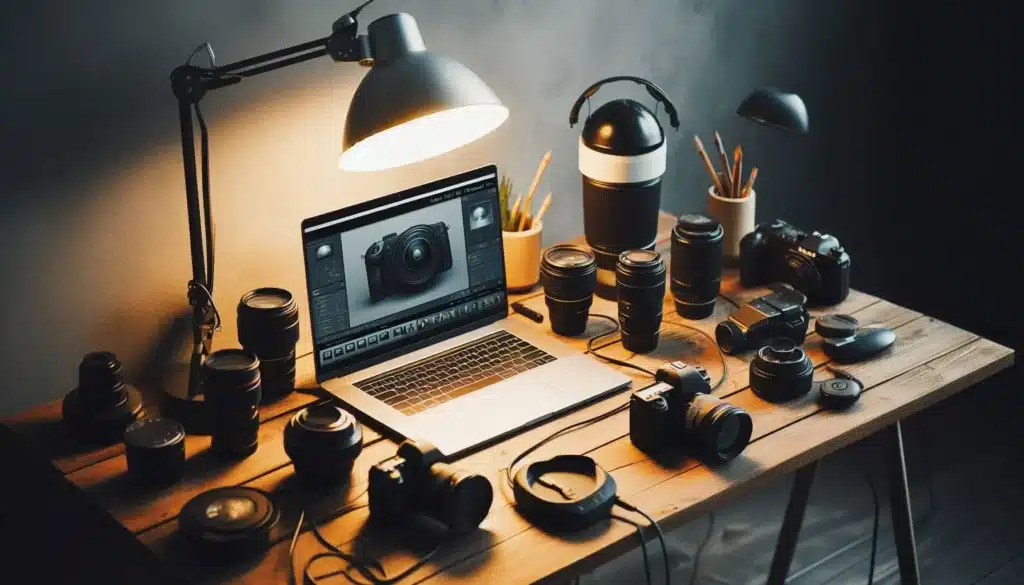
620,170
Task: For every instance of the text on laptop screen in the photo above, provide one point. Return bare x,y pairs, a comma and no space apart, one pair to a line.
388,273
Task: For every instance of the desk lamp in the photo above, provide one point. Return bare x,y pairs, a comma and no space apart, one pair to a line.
411,105
779,109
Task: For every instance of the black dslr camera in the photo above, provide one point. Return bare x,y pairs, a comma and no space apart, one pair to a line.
409,261
781,314
678,411
416,481
815,264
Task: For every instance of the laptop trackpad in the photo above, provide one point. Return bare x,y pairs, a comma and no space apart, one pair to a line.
511,404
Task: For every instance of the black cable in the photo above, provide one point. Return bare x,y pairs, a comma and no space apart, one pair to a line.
611,360
732,302
559,433
643,545
657,528
700,549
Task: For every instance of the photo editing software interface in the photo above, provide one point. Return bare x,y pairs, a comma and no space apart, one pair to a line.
382,279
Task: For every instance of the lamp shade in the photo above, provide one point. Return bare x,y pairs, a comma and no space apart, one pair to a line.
412,104
775,108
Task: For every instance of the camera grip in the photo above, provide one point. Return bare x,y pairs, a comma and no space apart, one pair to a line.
374,282
750,248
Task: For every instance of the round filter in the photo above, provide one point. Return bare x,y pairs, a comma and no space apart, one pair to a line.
836,326
229,521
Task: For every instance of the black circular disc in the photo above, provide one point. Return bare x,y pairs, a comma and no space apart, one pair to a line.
229,520
836,326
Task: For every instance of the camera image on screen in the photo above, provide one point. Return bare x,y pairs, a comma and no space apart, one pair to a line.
481,216
408,262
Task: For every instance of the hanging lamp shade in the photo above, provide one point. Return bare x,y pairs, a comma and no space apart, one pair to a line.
413,104
776,108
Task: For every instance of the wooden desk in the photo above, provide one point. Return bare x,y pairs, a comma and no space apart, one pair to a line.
930,361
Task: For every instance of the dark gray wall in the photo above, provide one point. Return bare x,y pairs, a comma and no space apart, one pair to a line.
93,227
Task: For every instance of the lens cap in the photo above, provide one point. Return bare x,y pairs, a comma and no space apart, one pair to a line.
839,393
229,521
836,326
155,450
698,225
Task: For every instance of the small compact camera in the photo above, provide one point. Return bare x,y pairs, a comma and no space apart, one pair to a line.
407,262
416,481
780,314
678,411
815,264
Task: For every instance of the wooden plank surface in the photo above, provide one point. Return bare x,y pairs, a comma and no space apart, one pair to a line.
929,361
42,425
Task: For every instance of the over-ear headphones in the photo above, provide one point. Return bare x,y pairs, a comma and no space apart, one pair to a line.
655,92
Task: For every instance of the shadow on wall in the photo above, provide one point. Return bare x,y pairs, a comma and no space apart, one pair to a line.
93,222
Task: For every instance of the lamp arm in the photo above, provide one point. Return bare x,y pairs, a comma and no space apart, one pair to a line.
189,84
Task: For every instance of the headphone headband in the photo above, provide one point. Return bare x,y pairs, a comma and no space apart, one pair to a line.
655,92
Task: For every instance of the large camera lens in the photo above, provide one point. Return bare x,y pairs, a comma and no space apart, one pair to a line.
231,386
102,405
418,249
719,430
323,442
640,279
568,274
696,265
268,327
459,499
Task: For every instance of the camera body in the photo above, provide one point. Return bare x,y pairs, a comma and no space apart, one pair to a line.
416,481
779,314
815,264
409,261
679,411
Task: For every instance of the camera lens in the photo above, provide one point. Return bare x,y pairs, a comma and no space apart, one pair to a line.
419,262
720,430
730,337
696,265
155,450
102,405
781,371
231,386
100,381
323,442
459,499
268,327
640,279
568,274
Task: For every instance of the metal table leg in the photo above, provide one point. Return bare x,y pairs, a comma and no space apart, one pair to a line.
791,523
899,496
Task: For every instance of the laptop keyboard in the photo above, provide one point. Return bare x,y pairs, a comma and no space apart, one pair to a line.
454,373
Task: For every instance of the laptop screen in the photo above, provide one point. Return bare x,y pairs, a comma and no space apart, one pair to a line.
395,273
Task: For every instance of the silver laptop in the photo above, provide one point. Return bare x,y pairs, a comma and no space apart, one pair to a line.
410,319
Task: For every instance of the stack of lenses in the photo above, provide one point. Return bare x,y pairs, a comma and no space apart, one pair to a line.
640,279
268,327
696,265
231,386
568,274
102,405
